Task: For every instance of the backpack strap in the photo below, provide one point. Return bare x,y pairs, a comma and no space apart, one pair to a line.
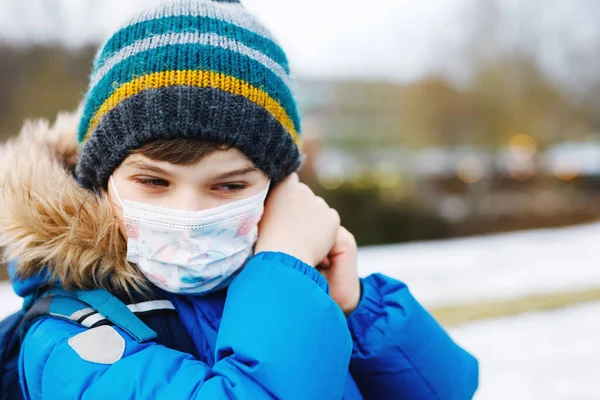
10,345
104,306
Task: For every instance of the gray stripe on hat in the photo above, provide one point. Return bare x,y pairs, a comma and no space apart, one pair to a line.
233,13
210,39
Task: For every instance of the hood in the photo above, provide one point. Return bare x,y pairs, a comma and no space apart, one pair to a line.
51,228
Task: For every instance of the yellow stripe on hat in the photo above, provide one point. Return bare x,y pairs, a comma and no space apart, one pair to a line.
196,78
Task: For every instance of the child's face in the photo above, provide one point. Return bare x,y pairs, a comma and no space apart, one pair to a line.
219,178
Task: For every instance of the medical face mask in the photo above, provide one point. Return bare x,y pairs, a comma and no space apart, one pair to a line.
191,252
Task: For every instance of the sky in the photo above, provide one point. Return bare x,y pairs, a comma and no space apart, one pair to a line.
397,40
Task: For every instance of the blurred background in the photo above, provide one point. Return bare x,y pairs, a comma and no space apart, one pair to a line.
422,121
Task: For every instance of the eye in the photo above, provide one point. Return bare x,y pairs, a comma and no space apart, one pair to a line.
152,182
231,187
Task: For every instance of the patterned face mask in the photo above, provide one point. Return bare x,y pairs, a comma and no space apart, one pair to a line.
191,252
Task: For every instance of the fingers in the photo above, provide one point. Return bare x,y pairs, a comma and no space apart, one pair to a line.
326,263
345,237
287,184
291,180
298,222
336,217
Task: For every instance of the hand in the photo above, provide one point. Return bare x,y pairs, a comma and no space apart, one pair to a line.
341,271
297,222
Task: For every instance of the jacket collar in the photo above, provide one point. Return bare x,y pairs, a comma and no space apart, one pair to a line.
52,227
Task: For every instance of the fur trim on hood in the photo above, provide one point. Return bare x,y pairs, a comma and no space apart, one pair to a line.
50,223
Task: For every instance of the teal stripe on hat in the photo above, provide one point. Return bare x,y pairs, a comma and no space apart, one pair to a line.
189,57
233,13
205,39
195,25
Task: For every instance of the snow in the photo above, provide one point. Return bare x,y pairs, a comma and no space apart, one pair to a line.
492,267
540,356
9,301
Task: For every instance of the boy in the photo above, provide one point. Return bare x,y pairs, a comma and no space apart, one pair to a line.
188,122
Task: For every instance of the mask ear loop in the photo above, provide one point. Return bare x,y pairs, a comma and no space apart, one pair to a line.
112,183
267,190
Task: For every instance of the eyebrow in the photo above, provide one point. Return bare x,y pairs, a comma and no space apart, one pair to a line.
153,168
148,167
237,172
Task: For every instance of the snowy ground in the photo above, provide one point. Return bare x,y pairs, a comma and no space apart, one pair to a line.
538,356
9,302
492,267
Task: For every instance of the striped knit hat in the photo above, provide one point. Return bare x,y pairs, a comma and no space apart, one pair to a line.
190,69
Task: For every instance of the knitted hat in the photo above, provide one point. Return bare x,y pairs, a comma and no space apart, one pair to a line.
190,69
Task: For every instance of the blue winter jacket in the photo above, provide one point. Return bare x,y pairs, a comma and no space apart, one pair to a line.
274,334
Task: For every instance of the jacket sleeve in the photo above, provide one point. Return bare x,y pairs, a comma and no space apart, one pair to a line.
400,351
281,336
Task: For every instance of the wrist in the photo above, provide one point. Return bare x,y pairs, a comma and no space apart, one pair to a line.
351,305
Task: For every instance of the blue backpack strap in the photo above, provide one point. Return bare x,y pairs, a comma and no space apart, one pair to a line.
10,344
112,309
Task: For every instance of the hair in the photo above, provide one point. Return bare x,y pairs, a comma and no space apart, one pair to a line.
180,151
